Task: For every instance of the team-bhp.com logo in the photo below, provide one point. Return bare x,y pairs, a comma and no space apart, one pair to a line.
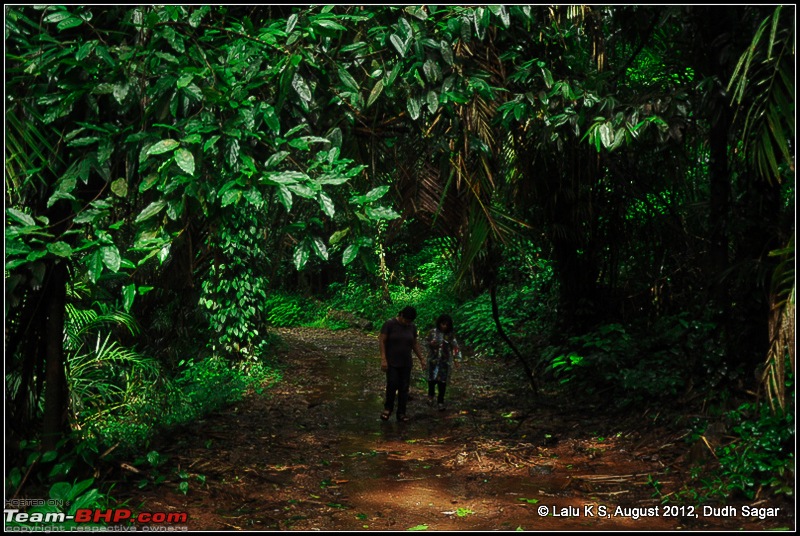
95,516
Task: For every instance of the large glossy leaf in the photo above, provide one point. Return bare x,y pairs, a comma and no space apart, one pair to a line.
301,86
60,249
326,203
398,43
128,295
95,266
319,248
377,193
285,197
347,79
381,213
20,217
162,146
185,160
111,257
350,253
151,210
301,255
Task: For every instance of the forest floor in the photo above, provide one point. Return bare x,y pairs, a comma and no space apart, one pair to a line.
311,453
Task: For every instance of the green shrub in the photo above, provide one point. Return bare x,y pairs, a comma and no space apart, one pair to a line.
285,310
636,364
755,460
762,454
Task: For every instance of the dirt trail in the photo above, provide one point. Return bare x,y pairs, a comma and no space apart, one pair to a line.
312,454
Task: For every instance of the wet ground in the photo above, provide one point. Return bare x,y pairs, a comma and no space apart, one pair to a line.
312,454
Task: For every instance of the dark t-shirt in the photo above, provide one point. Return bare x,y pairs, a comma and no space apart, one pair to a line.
399,342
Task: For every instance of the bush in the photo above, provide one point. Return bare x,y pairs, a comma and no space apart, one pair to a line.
634,365
761,455
286,311
757,457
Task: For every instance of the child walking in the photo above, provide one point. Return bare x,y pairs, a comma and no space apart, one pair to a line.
442,347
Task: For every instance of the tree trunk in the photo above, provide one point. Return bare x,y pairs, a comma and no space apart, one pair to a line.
509,342
55,397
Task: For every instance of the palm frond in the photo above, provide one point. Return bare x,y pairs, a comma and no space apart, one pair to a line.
106,375
763,83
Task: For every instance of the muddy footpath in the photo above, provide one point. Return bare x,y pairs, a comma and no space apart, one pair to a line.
312,454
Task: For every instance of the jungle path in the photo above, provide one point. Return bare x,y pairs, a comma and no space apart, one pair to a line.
313,454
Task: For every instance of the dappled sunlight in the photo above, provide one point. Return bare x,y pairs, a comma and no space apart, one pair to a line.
312,454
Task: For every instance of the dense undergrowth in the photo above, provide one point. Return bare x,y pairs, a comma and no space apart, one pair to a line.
672,362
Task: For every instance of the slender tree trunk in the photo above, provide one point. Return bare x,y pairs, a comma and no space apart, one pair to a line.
492,276
509,342
55,397
719,202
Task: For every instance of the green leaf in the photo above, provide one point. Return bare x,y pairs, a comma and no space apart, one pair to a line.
607,134
184,80
414,107
320,248
58,16
285,197
291,22
337,236
285,177
417,11
381,213
111,257
21,217
302,190
79,488
347,79
120,187
231,197
71,22
148,182
375,93
349,254
61,249
254,197
95,267
548,77
419,527
503,14
329,24
151,210
120,92
398,44
232,156
83,142
377,193
163,253
447,52
163,146
432,100
210,143
60,491
275,159
301,255
185,160
431,70
302,88
326,203
128,294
